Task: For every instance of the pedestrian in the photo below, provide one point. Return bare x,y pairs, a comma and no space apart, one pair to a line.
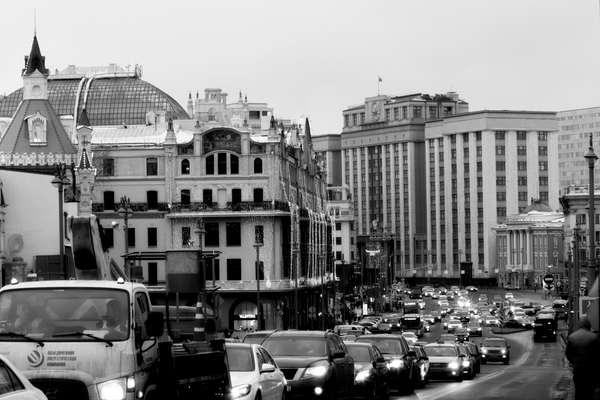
583,353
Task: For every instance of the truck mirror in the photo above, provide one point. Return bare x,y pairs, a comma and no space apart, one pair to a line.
155,326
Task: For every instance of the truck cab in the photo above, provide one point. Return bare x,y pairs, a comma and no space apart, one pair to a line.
71,343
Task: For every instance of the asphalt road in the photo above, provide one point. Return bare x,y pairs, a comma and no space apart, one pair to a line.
536,370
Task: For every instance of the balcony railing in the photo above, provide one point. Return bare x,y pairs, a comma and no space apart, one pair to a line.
136,207
243,206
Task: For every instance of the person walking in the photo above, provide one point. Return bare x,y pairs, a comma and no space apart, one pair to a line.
583,353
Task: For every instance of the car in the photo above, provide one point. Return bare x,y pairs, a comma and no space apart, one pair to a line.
447,338
495,349
445,361
491,320
461,334
468,361
421,304
454,289
544,327
410,337
471,288
510,286
476,353
536,305
371,371
509,295
422,365
453,324
427,326
15,386
257,336
437,316
315,363
474,329
560,307
253,372
429,318
400,358
445,322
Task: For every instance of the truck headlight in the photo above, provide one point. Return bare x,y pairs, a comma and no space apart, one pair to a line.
112,390
315,371
240,391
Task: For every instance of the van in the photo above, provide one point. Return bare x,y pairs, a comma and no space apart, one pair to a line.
560,308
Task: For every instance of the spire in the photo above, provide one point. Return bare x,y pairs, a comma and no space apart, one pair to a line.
35,60
83,119
84,162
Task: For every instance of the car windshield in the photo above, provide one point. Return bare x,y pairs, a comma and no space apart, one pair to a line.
495,343
239,358
78,314
440,351
298,346
359,353
256,338
386,346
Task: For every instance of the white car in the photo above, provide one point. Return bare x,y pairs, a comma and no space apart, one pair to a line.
14,385
410,337
251,368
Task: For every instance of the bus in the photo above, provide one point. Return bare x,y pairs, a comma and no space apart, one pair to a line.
411,307
412,323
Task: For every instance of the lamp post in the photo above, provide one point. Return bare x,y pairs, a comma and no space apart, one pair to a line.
575,279
460,251
257,246
321,258
428,267
343,306
125,212
199,331
591,159
295,270
60,181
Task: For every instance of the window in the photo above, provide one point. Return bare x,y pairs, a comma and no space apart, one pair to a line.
109,200
185,167
233,234
234,269
543,150
210,266
207,197
234,164
152,237
211,237
258,195
152,199
152,166
522,196
466,152
543,181
500,150
210,165
479,151
522,150
522,165
259,234
542,135
185,196
522,181
236,198
521,135
500,135
501,211
501,196
500,181
131,237
222,163
108,167
479,181
186,236
109,237
9,382
258,166
500,165
543,166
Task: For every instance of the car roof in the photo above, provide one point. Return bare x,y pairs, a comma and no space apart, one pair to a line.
359,344
300,334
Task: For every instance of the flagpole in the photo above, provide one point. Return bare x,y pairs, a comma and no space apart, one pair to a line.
378,80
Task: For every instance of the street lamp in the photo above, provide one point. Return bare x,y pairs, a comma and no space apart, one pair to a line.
460,252
321,258
199,331
60,181
428,267
343,289
257,246
125,212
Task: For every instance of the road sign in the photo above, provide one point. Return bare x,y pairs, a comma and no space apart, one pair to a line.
585,303
549,279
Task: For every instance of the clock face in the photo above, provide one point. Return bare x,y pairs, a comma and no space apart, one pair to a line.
375,112
36,90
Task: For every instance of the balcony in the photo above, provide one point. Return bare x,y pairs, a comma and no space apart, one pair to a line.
243,206
136,207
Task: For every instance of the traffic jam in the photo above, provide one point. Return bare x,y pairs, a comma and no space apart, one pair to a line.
441,334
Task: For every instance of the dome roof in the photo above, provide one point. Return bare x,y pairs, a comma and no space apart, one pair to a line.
537,206
108,101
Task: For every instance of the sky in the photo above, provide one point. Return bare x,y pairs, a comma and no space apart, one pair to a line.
317,58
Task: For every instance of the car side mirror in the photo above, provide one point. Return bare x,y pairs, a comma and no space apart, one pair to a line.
411,353
380,359
338,354
463,355
267,368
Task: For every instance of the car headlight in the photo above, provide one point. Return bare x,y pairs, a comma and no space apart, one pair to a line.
396,363
315,371
113,390
362,376
503,351
453,365
466,363
484,351
240,391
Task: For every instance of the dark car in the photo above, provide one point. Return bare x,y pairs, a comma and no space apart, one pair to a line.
371,371
315,363
422,364
544,327
400,358
445,361
257,336
495,349
474,329
468,361
476,353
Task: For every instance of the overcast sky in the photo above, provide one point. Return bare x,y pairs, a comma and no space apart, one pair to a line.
316,58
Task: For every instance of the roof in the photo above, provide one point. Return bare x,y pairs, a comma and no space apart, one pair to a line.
108,100
537,205
73,284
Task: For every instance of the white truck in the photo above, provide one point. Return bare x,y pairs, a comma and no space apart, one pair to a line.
99,339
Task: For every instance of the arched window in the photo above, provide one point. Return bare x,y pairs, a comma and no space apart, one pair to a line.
185,167
210,165
258,166
234,164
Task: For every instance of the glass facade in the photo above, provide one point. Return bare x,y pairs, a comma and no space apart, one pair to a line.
110,101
